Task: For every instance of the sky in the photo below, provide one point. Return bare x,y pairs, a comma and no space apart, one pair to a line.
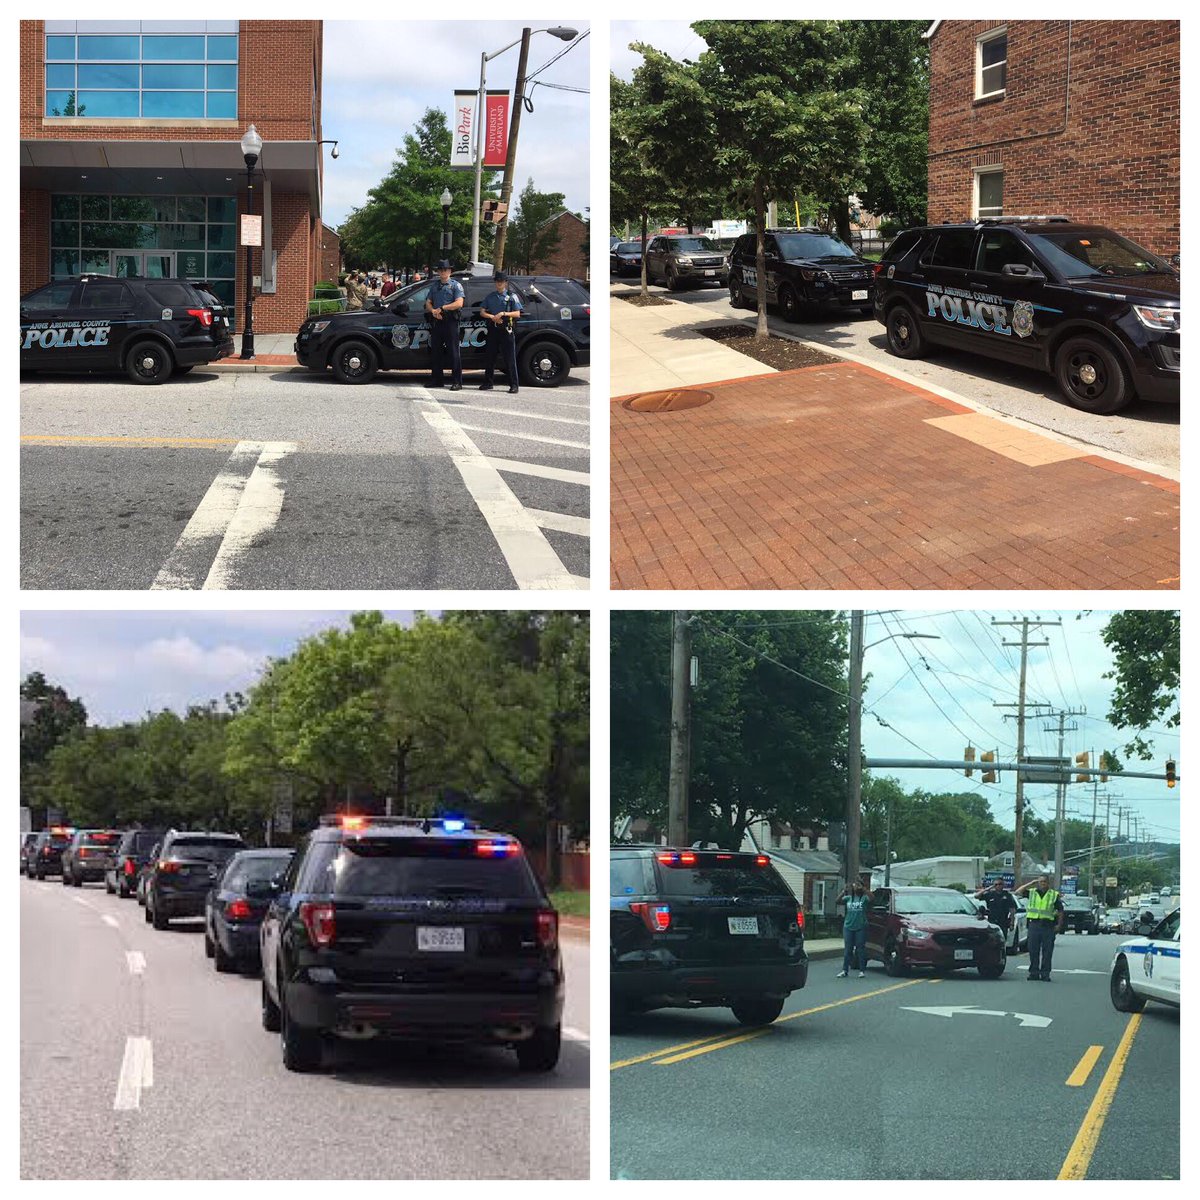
381,76
671,37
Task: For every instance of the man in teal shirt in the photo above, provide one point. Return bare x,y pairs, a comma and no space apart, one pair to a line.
854,929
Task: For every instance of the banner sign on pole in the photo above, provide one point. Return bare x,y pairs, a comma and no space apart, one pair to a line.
462,129
495,131
251,229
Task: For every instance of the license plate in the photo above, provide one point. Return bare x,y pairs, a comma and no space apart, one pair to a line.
964,955
710,272
743,925
440,937
858,295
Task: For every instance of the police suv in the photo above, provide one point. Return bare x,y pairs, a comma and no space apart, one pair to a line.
150,329
553,334
1147,968
805,269
1078,301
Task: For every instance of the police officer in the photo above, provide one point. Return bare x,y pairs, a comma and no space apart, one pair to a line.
443,308
1000,905
1044,912
502,308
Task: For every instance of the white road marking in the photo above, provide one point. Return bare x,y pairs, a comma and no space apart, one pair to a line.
530,557
581,581
236,505
575,1035
562,522
1032,1020
515,412
135,960
137,1074
81,900
1067,970
561,474
111,920
525,437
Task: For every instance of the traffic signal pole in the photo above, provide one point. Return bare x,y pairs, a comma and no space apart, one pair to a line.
854,749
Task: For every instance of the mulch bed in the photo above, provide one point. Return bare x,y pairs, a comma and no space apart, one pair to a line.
777,352
641,301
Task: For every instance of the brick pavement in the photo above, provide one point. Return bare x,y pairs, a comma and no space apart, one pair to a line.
842,477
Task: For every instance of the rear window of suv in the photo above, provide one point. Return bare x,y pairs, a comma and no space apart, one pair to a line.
560,291
213,850
719,880
171,294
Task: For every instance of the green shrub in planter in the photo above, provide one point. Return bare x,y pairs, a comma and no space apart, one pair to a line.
318,308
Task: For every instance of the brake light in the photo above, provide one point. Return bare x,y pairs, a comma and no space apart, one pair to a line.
678,858
239,910
203,315
761,860
319,922
656,917
45,851
84,852
879,268
497,849
130,869
547,928
723,857
165,865
800,919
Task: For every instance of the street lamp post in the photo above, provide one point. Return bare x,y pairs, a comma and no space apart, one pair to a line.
447,200
251,149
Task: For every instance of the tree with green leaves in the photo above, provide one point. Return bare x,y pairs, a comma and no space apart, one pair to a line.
53,718
533,234
1145,648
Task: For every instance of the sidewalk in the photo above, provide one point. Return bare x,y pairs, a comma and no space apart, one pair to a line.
272,352
842,477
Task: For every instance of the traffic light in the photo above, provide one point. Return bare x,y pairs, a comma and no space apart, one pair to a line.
969,756
988,756
1084,760
1170,772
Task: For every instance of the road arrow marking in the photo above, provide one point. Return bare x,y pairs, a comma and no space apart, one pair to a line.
110,920
136,961
948,1010
137,1072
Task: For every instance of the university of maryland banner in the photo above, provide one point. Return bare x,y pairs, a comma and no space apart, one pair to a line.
495,130
462,129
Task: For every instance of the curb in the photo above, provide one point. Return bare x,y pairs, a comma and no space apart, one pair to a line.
238,368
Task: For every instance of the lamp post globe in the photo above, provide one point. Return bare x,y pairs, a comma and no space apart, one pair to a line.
251,150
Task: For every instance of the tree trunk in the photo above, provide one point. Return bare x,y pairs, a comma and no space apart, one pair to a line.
645,226
761,332
840,211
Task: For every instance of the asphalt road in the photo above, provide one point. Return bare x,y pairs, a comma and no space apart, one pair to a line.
222,1106
290,480
1144,431
865,1088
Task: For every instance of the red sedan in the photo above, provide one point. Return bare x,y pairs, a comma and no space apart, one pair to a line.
932,927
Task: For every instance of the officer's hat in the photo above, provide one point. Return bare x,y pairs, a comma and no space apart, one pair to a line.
444,265
500,277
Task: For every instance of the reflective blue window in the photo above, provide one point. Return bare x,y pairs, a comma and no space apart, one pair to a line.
176,78
222,78
64,262
60,76
61,104
108,75
222,49
124,46
172,104
222,104
60,48
159,48
107,104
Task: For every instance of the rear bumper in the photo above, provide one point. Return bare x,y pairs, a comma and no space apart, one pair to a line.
180,904
238,941
198,355
648,978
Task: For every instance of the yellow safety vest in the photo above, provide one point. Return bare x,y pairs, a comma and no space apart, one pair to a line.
1040,905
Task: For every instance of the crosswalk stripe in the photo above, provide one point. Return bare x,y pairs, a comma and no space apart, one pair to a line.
561,474
514,412
525,437
561,522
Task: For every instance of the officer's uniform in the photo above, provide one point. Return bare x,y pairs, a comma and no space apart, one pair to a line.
443,337
501,338
1042,912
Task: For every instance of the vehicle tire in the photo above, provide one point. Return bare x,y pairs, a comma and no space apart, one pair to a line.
146,913
1124,998
157,919
141,897
301,1046
893,963
992,972
108,887
1094,930
354,362
904,336
208,944
41,875
122,889
77,881
149,362
540,1052
1091,376
671,280
270,1011
757,1010
789,305
543,364
64,880
737,297
224,964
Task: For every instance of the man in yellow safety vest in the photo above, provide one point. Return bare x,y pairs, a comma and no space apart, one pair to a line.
1044,912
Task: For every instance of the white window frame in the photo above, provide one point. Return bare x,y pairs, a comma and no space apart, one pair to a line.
991,35
978,172
818,896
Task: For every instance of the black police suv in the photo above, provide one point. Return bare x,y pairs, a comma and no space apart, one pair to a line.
685,259
702,928
1079,301
179,878
236,904
625,258
150,329
806,270
414,929
553,334
45,858
88,855
132,854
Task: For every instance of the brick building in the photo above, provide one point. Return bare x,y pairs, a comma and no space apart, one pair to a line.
329,266
570,256
1072,117
131,161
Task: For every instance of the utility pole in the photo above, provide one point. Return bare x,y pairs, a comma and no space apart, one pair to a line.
854,781
1092,847
1060,792
510,159
1025,645
681,731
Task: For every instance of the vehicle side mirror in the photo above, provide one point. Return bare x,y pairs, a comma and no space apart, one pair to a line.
1021,269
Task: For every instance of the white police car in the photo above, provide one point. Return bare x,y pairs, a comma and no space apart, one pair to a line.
1147,968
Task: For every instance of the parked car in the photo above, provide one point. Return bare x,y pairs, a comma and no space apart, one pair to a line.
702,928
414,929
932,927
625,258
235,906
1116,920
145,871
28,841
88,855
48,850
685,259
183,871
1080,914
133,853
1146,967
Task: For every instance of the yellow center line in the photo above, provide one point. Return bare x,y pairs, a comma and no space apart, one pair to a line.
49,439
1083,1069
629,1062
1079,1157
733,1041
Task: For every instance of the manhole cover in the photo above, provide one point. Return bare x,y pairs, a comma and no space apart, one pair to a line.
670,401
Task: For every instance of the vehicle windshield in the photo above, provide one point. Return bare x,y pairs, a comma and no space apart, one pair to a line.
1077,902
1096,254
206,849
693,245
723,881
816,247
934,902
628,248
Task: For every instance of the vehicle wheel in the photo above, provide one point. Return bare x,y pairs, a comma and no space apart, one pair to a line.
141,898
1091,376
123,889
904,336
301,1047
77,881
789,305
64,880
757,1010
540,1052
736,297
543,364
270,1011
157,919
893,963
672,280
992,972
41,875
146,913
1092,931
222,961
108,887
354,362
1124,998
208,944
149,362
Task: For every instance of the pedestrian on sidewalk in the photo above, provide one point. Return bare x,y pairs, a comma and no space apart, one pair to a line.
1045,915
854,928
1001,907
355,293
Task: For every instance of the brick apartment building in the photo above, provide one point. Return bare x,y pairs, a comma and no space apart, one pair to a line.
1072,117
570,256
131,161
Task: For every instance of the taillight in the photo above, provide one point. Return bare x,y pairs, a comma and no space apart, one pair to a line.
239,910
800,919
879,267
497,849
84,852
656,917
319,921
677,858
167,867
761,860
203,315
130,869
547,928
45,851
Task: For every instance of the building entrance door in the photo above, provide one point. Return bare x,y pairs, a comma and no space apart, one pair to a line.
149,264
